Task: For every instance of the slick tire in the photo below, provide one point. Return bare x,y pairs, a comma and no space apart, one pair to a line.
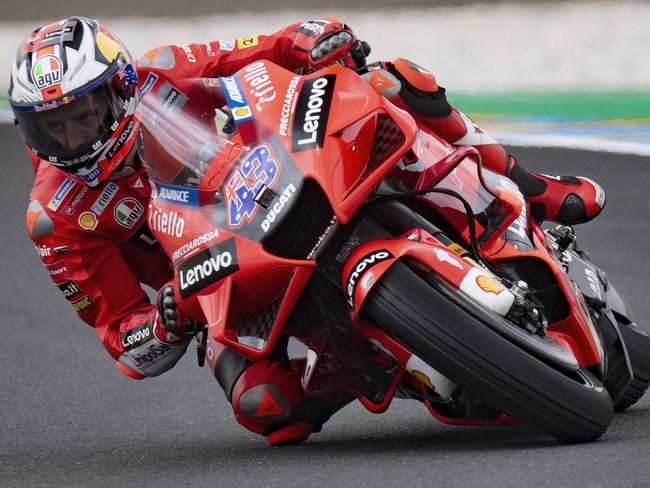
569,406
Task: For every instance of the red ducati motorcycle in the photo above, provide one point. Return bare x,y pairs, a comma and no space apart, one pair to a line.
311,207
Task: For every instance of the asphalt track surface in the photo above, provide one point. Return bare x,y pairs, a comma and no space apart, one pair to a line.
68,418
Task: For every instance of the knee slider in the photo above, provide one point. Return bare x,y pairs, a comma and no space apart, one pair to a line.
420,90
264,395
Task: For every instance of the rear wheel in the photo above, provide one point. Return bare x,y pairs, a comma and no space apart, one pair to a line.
453,338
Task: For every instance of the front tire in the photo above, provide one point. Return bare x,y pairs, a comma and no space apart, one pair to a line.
453,339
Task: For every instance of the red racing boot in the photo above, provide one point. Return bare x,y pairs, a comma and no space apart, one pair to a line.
567,200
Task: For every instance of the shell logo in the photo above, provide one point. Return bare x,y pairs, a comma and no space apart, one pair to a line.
422,378
242,112
489,285
88,220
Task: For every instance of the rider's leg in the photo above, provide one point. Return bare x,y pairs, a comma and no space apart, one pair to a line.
267,398
563,199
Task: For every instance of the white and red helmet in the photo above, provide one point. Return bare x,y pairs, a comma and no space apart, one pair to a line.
74,92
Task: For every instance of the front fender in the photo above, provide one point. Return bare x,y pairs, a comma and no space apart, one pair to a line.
369,262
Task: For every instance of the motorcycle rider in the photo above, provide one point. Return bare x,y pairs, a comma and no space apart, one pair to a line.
74,92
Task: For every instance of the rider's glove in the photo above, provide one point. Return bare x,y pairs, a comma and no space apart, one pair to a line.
171,318
321,43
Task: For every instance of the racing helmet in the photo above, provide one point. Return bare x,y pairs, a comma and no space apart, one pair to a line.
74,91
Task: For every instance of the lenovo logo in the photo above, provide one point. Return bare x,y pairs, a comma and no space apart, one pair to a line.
207,267
313,108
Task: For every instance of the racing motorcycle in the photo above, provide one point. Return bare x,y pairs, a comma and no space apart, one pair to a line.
311,207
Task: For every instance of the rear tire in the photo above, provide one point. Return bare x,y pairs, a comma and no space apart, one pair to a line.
452,338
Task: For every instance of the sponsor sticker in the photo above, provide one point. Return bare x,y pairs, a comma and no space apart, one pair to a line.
70,289
119,143
58,33
152,354
444,257
170,223
58,271
82,304
93,175
136,337
310,119
368,280
257,169
208,49
237,102
364,264
207,267
189,54
127,212
172,97
43,251
211,82
278,206
104,198
258,79
60,194
180,195
70,209
87,220
227,45
288,107
148,83
489,284
47,71
190,246
247,42
312,28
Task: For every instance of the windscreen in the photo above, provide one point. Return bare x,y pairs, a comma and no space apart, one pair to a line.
181,131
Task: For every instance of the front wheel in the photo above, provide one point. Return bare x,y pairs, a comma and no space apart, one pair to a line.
453,339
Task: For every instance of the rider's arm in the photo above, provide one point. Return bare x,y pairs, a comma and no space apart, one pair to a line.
94,277
288,48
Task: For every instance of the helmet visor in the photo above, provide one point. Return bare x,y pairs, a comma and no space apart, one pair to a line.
70,130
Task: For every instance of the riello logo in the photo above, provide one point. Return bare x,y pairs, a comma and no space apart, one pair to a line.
170,223
207,267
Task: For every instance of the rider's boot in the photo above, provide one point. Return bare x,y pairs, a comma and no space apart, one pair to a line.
267,398
568,200
564,199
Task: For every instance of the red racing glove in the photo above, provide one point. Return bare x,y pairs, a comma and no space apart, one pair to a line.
321,43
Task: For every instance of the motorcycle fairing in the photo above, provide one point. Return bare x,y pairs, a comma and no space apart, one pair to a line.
369,262
255,187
